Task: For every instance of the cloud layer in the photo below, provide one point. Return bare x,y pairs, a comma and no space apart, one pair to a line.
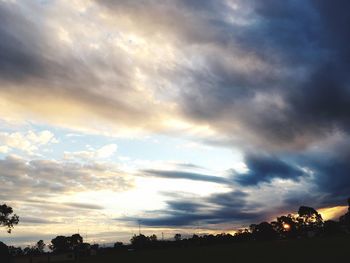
273,75
265,77
22,179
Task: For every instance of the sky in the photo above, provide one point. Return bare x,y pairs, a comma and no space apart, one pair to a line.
181,116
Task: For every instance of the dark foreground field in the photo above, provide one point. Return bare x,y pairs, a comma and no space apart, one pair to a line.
335,249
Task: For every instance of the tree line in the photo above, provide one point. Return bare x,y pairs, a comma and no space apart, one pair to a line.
307,223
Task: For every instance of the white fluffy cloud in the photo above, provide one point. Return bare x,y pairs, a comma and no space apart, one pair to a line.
104,152
28,142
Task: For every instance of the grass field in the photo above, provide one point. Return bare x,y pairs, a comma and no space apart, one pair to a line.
335,249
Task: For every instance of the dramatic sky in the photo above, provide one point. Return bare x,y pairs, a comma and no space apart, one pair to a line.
184,115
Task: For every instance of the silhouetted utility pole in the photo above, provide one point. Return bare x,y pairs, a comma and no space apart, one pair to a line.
139,227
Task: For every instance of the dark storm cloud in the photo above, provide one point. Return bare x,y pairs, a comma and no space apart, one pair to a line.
320,180
265,168
324,181
187,175
215,209
334,17
18,37
261,168
272,74
300,94
331,168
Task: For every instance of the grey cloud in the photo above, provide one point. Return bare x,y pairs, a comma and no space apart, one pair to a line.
330,167
187,175
35,62
253,76
318,178
62,206
191,22
84,206
216,209
48,178
36,221
18,41
264,168
296,97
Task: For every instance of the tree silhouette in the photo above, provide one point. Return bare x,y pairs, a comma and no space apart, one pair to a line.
4,253
309,219
345,219
75,241
177,237
15,251
6,218
140,241
29,251
40,246
37,249
62,243
331,228
153,238
263,231
118,245
243,235
308,222
286,226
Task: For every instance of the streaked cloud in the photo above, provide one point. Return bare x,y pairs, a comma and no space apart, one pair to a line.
186,175
46,178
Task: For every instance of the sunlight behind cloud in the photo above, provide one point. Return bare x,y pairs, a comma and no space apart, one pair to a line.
332,213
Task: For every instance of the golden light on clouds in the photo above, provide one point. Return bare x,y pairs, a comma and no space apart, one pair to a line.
332,213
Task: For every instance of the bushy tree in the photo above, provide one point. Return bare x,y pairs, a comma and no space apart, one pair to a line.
75,241
95,246
118,245
59,244
63,243
140,240
177,237
263,231
29,250
8,220
15,251
309,220
308,216
286,226
153,238
243,235
40,246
